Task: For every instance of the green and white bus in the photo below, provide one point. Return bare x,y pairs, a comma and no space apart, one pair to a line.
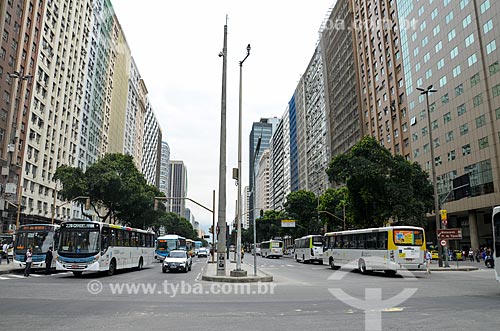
387,249
309,249
271,248
86,246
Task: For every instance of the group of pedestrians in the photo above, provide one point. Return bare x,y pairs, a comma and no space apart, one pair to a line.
479,254
29,261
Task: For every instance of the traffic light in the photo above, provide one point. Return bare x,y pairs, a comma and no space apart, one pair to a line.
261,213
87,203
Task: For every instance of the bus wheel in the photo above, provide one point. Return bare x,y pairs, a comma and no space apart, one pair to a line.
362,266
112,267
141,263
77,273
332,264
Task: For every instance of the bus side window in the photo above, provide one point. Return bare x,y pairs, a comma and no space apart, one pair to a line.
382,240
105,239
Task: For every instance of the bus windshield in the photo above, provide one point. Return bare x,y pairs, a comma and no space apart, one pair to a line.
408,237
167,244
317,241
39,241
79,241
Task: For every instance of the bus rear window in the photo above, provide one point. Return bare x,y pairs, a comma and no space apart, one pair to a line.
408,237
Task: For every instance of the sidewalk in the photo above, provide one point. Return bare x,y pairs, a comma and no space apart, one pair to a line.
210,274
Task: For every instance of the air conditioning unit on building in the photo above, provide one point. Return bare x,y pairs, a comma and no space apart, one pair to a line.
11,148
10,188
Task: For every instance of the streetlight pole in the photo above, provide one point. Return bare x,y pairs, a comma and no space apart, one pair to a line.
221,221
238,237
257,149
433,167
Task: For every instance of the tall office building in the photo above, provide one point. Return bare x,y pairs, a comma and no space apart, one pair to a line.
381,78
262,184
177,187
344,123
19,57
164,168
263,129
312,130
453,48
152,147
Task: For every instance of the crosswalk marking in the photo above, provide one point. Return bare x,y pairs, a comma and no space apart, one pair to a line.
14,276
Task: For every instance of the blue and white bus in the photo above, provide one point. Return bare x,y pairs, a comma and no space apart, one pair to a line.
39,237
167,243
95,246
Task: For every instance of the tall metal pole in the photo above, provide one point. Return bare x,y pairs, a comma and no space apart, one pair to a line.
238,217
221,225
433,167
213,226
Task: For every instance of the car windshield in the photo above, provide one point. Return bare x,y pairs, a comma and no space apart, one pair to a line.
178,254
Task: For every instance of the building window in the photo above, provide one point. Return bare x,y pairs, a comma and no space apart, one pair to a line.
467,21
483,143
437,161
494,68
465,150
472,59
480,121
459,89
451,155
464,129
484,6
436,143
424,131
452,34
434,124
488,26
496,90
449,17
469,40
497,112
426,148
478,100
436,30
440,64
463,3
414,137
474,80
447,117
445,99
442,81
449,136
491,47
454,53
456,71
416,153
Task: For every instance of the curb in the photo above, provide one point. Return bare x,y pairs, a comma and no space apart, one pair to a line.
246,279
455,269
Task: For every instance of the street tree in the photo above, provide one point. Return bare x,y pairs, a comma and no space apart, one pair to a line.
381,187
302,206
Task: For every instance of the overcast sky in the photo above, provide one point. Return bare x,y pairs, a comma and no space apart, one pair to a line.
176,44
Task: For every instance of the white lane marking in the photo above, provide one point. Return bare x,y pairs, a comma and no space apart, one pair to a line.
16,276
3,278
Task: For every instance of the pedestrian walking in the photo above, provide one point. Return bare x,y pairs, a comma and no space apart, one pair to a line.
5,252
428,259
471,255
29,259
48,261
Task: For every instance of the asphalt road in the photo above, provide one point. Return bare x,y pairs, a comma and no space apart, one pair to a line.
302,297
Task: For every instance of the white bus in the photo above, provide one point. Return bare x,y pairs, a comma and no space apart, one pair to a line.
271,248
389,249
95,246
39,237
167,243
309,249
496,241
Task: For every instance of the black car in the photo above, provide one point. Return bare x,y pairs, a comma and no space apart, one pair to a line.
489,261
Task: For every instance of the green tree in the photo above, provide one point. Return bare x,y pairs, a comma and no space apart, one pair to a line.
302,206
381,187
174,224
115,186
336,202
269,225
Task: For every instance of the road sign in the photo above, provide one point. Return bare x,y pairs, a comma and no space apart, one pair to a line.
449,234
287,223
443,243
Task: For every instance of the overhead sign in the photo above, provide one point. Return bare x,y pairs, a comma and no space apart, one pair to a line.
287,223
443,243
449,234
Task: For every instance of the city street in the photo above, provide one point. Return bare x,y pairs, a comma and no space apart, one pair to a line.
298,299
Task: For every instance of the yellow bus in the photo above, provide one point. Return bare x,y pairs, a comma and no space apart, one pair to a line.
387,249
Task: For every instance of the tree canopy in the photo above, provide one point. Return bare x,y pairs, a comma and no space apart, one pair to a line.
382,187
117,190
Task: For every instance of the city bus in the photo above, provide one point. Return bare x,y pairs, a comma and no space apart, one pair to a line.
167,243
39,237
496,241
387,249
271,248
7,238
86,246
309,249
197,246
